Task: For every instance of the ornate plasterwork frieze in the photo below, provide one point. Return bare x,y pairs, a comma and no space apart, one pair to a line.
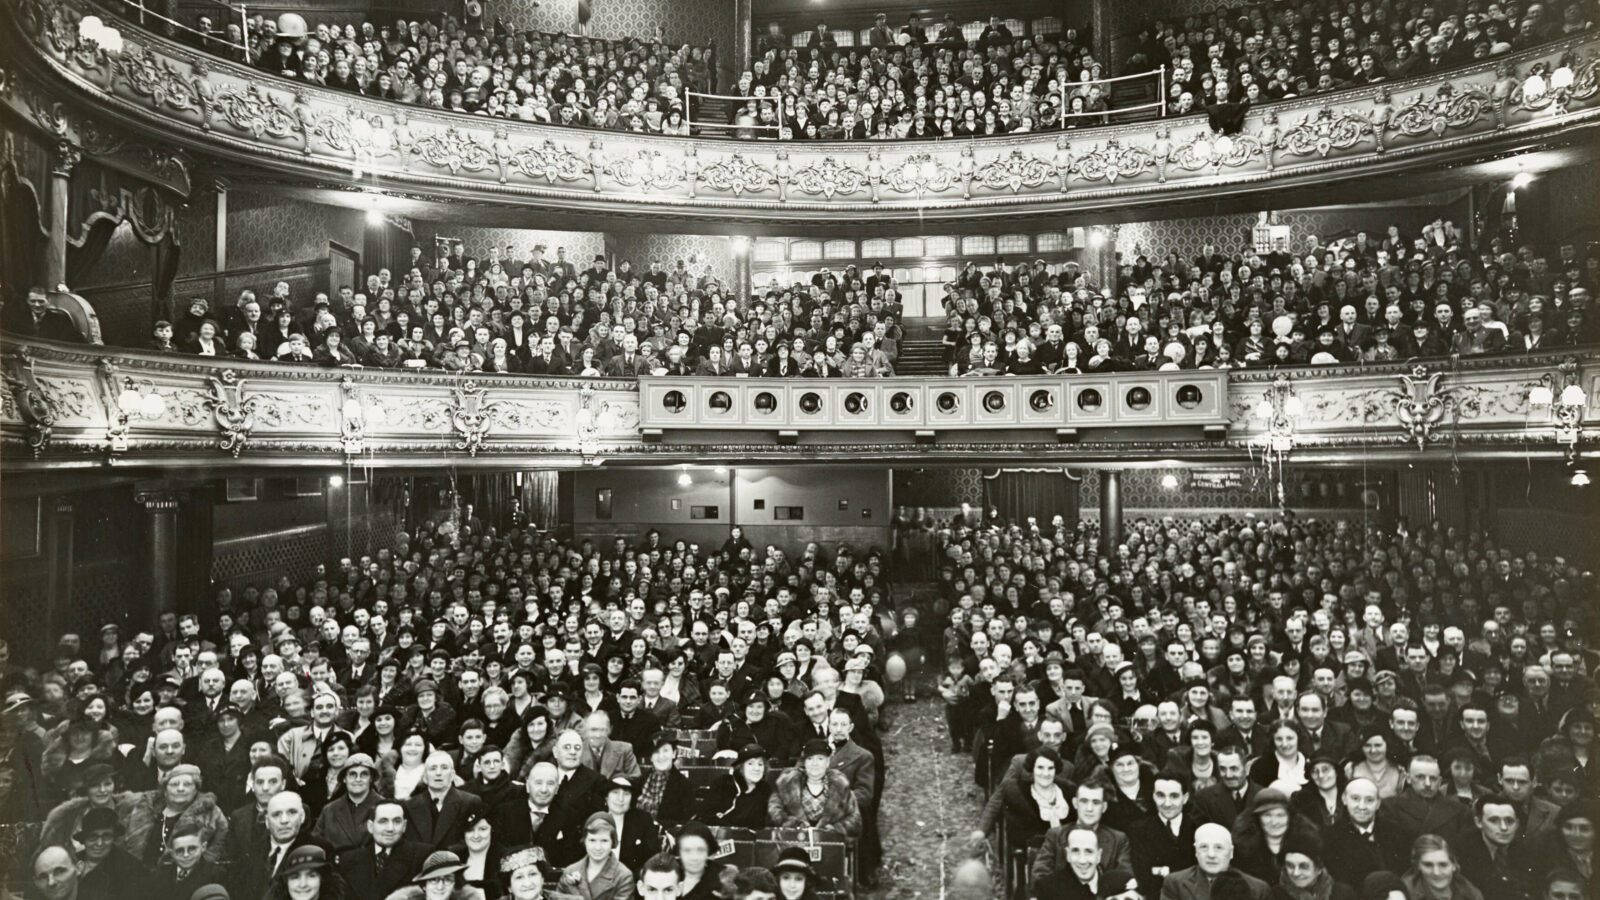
207,102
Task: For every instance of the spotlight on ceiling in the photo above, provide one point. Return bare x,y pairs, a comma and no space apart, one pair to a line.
336,481
1580,478
684,480
1169,481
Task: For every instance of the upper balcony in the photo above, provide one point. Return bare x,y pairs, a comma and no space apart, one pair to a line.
344,145
79,406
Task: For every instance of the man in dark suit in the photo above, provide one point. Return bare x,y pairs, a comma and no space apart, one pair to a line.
285,821
1493,857
851,761
1222,802
39,319
1163,843
1333,739
387,861
632,725
1245,731
541,821
629,363
436,816
579,790
1213,851
1363,840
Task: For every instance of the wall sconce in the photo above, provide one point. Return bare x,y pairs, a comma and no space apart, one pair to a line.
360,412
131,400
1547,87
1278,409
96,35
1560,392
369,139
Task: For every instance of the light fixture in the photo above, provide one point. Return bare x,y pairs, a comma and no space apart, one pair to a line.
1097,238
721,471
1224,147
684,480
1264,409
335,481
1561,79
105,38
1169,481
1541,395
1533,89
1573,395
135,403
929,170
740,244
1580,478
374,217
1521,180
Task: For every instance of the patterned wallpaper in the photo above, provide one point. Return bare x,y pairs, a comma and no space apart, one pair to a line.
697,250
1573,213
942,487
1231,231
264,230
582,246
695,22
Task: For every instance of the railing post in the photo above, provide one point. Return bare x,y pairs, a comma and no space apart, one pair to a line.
1161,91
244,32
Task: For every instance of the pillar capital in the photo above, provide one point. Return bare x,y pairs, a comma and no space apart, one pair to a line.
65,158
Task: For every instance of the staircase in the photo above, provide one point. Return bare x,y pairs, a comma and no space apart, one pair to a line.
921,357
1134,92
715,111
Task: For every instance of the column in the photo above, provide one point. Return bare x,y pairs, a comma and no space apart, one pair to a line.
220,258
161,552
1110,510
744,282
743,23
65,158
1100,257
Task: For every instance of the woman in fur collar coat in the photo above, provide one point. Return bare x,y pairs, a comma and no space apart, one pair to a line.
145,816
72,749
811,795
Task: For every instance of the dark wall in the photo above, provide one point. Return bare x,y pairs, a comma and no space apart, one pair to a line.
838,505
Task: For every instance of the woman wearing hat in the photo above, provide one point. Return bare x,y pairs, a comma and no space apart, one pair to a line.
813,795
306,873
478,854
73,748
1305,877
795,875
665,792
1319,801
97,789
702,880
324,777
1262,833
638,835
342,824
523,872
440,879
740,799
148,817
533,743
599,875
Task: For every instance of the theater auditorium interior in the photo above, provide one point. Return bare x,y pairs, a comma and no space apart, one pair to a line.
799,449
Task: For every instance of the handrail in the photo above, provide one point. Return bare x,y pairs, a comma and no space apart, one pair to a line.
139,11
1160,103
688,113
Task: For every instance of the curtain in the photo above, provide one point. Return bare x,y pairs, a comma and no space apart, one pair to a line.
541,499
22,237
1019,494
195,545
83,256
162,275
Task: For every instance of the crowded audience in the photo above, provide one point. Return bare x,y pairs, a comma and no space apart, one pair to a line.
1357,299
1303,708
1258,52
921,79
468,704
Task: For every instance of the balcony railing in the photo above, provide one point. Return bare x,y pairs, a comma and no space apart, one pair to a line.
76,405
221,108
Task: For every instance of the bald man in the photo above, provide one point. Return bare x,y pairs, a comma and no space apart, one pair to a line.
1213,853
1365,839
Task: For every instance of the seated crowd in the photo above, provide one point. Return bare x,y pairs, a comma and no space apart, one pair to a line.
474,709
1295,709
1353,300
917,80
1258,52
